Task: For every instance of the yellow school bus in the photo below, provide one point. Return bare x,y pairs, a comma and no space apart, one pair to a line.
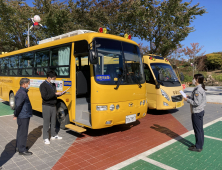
162,84
102,73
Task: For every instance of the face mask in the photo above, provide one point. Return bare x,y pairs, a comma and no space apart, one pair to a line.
28,87
194,82
52,81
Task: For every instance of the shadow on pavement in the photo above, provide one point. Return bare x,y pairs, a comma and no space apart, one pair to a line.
171,134
9,150
109,130
6,103
161,112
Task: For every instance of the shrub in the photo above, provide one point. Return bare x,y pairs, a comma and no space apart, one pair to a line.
217,77
188,78
214,61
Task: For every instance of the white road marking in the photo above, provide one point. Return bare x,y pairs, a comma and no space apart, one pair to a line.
212,137
158,164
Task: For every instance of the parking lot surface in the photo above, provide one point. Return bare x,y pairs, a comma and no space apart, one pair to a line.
158,141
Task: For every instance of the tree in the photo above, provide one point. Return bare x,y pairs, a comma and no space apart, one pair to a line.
193,52
176,55
13,24
165,24
144,49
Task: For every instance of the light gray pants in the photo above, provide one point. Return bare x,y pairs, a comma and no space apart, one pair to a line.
49,117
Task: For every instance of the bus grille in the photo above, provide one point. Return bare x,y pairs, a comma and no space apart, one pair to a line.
177,98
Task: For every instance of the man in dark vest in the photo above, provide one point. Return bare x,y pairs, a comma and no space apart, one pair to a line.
23,112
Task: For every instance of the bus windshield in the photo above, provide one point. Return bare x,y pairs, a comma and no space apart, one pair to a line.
118,62
169,76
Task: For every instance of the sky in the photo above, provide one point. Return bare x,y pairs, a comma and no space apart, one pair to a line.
208,27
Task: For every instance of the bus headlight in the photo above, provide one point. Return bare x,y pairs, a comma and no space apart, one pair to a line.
143,102
112,107
101,108
117,107
165,95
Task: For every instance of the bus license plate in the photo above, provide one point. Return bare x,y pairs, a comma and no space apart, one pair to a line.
178,104
130,118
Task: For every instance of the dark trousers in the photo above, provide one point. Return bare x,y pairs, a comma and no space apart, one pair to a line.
49,117
197,121
22,133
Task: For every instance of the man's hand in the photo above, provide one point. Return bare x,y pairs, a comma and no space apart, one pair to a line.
14,118
58,93
185,99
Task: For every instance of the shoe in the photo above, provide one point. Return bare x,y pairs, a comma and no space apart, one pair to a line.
27,153
191,147
56,137
195,149
16,149
46,141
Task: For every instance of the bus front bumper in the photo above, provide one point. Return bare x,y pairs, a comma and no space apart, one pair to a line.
128,112
164,104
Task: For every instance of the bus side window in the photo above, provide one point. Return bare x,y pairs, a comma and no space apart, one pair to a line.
59,60
13,65
41,62
4,66
26,63
148,75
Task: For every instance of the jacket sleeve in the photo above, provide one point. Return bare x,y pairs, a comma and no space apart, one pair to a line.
19,102
45,95
196,99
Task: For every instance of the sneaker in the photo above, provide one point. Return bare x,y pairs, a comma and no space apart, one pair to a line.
46,141
56,137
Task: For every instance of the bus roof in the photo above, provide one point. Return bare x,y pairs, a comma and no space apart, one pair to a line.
87,35
153,58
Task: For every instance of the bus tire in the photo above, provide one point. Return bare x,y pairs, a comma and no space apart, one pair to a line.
12,101
62,115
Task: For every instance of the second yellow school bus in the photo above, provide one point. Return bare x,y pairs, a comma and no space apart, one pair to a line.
104,73
162,84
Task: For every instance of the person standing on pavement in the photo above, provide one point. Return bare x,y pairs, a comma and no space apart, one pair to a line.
49,100
23,112
197,102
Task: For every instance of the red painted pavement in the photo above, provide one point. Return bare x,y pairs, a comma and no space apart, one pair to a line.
103,148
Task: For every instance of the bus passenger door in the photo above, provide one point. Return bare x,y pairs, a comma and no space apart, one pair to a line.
83,91
150,87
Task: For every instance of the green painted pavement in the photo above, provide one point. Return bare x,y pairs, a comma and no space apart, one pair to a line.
178,156
141,165
5,109
214,131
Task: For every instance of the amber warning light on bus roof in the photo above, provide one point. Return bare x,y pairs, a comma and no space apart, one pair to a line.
151,58
166,60
127,36
102,30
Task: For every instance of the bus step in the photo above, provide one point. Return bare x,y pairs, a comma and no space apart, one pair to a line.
75,128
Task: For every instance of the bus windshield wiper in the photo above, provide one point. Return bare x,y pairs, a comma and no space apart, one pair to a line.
137,81
118,83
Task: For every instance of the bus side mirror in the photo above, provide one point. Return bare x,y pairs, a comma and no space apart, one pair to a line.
181,77
93,57
157,86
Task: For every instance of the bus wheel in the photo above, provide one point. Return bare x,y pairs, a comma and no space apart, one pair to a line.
12,101
62,115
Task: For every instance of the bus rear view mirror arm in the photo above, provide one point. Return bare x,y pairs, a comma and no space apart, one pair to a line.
93,57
